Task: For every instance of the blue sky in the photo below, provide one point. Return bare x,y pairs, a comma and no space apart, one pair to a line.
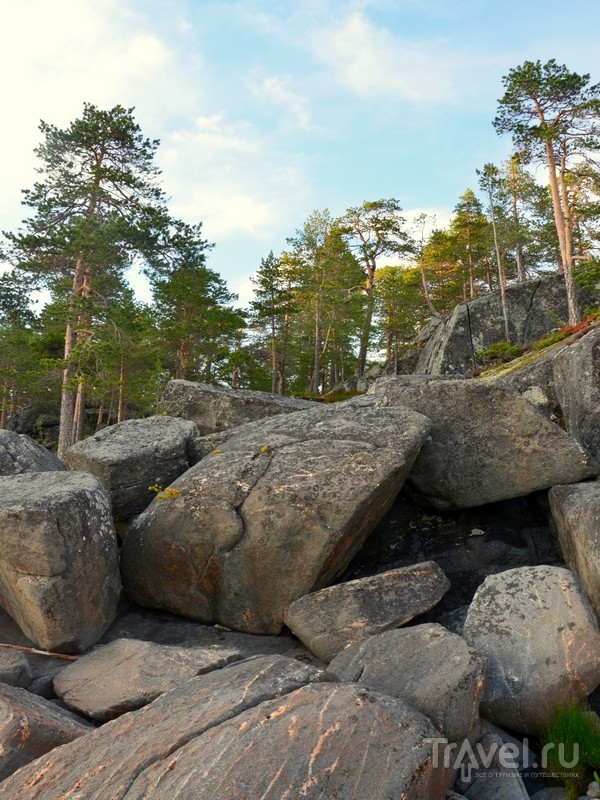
269,109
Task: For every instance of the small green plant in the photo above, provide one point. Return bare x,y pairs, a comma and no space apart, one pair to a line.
500,351
164,494
571,747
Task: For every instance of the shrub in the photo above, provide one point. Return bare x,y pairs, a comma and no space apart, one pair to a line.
500,351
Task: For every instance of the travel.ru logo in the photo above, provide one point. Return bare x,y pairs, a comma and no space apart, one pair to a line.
498,755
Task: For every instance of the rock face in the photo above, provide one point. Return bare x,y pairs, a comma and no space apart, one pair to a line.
487,443
542,642
131,456
276,512
329,620
217,736
19,453
577,383
59,573
128,674
564,383
31,727
534,308
428,667
215,409
576,513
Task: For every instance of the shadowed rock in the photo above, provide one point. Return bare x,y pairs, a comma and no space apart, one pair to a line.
19,453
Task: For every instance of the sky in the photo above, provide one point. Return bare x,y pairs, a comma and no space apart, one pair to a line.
269,109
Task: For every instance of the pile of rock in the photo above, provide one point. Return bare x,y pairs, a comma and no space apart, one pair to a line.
247,531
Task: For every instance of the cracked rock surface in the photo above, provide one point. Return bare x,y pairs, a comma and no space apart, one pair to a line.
130,457
276,511
542,642
59,572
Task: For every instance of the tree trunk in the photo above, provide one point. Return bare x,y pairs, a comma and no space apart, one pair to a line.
121,404
79,413
100,415
4,407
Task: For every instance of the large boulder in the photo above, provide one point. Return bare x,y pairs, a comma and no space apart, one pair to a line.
215,408
487,443
128,674
30,727
19,454
216,737
277,511
59,572
534,308
542,642
428,667
132,456
577,384
576,513
329,620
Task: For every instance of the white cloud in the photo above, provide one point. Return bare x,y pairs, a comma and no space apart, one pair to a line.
295,106
371,62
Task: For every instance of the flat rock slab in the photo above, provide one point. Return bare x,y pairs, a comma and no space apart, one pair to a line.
576,513
128,674
20,453
322,741
428,667
31,726
59,572
213,408
487,443
329,620
278,510
542,642
132,456
115,754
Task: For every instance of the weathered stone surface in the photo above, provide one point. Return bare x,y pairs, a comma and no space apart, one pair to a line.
322,741
19,453
277,511
31,727
499,784
133,455
534,308
577,384
59,572
576,513
487,443
428,667
542,642
329,620
14,668
115,754
128,674
213,408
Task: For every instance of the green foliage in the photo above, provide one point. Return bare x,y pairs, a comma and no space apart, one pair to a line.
500,351
573,731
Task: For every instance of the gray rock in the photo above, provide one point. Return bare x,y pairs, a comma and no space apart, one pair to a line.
552,793
128,674
329,620
535,382
115,754
214,408
277,511
487,443
59,573
130,457
535,308
499,784
542,642
428,667
576,513
577,384
19,454
31,727
332,741
14,668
